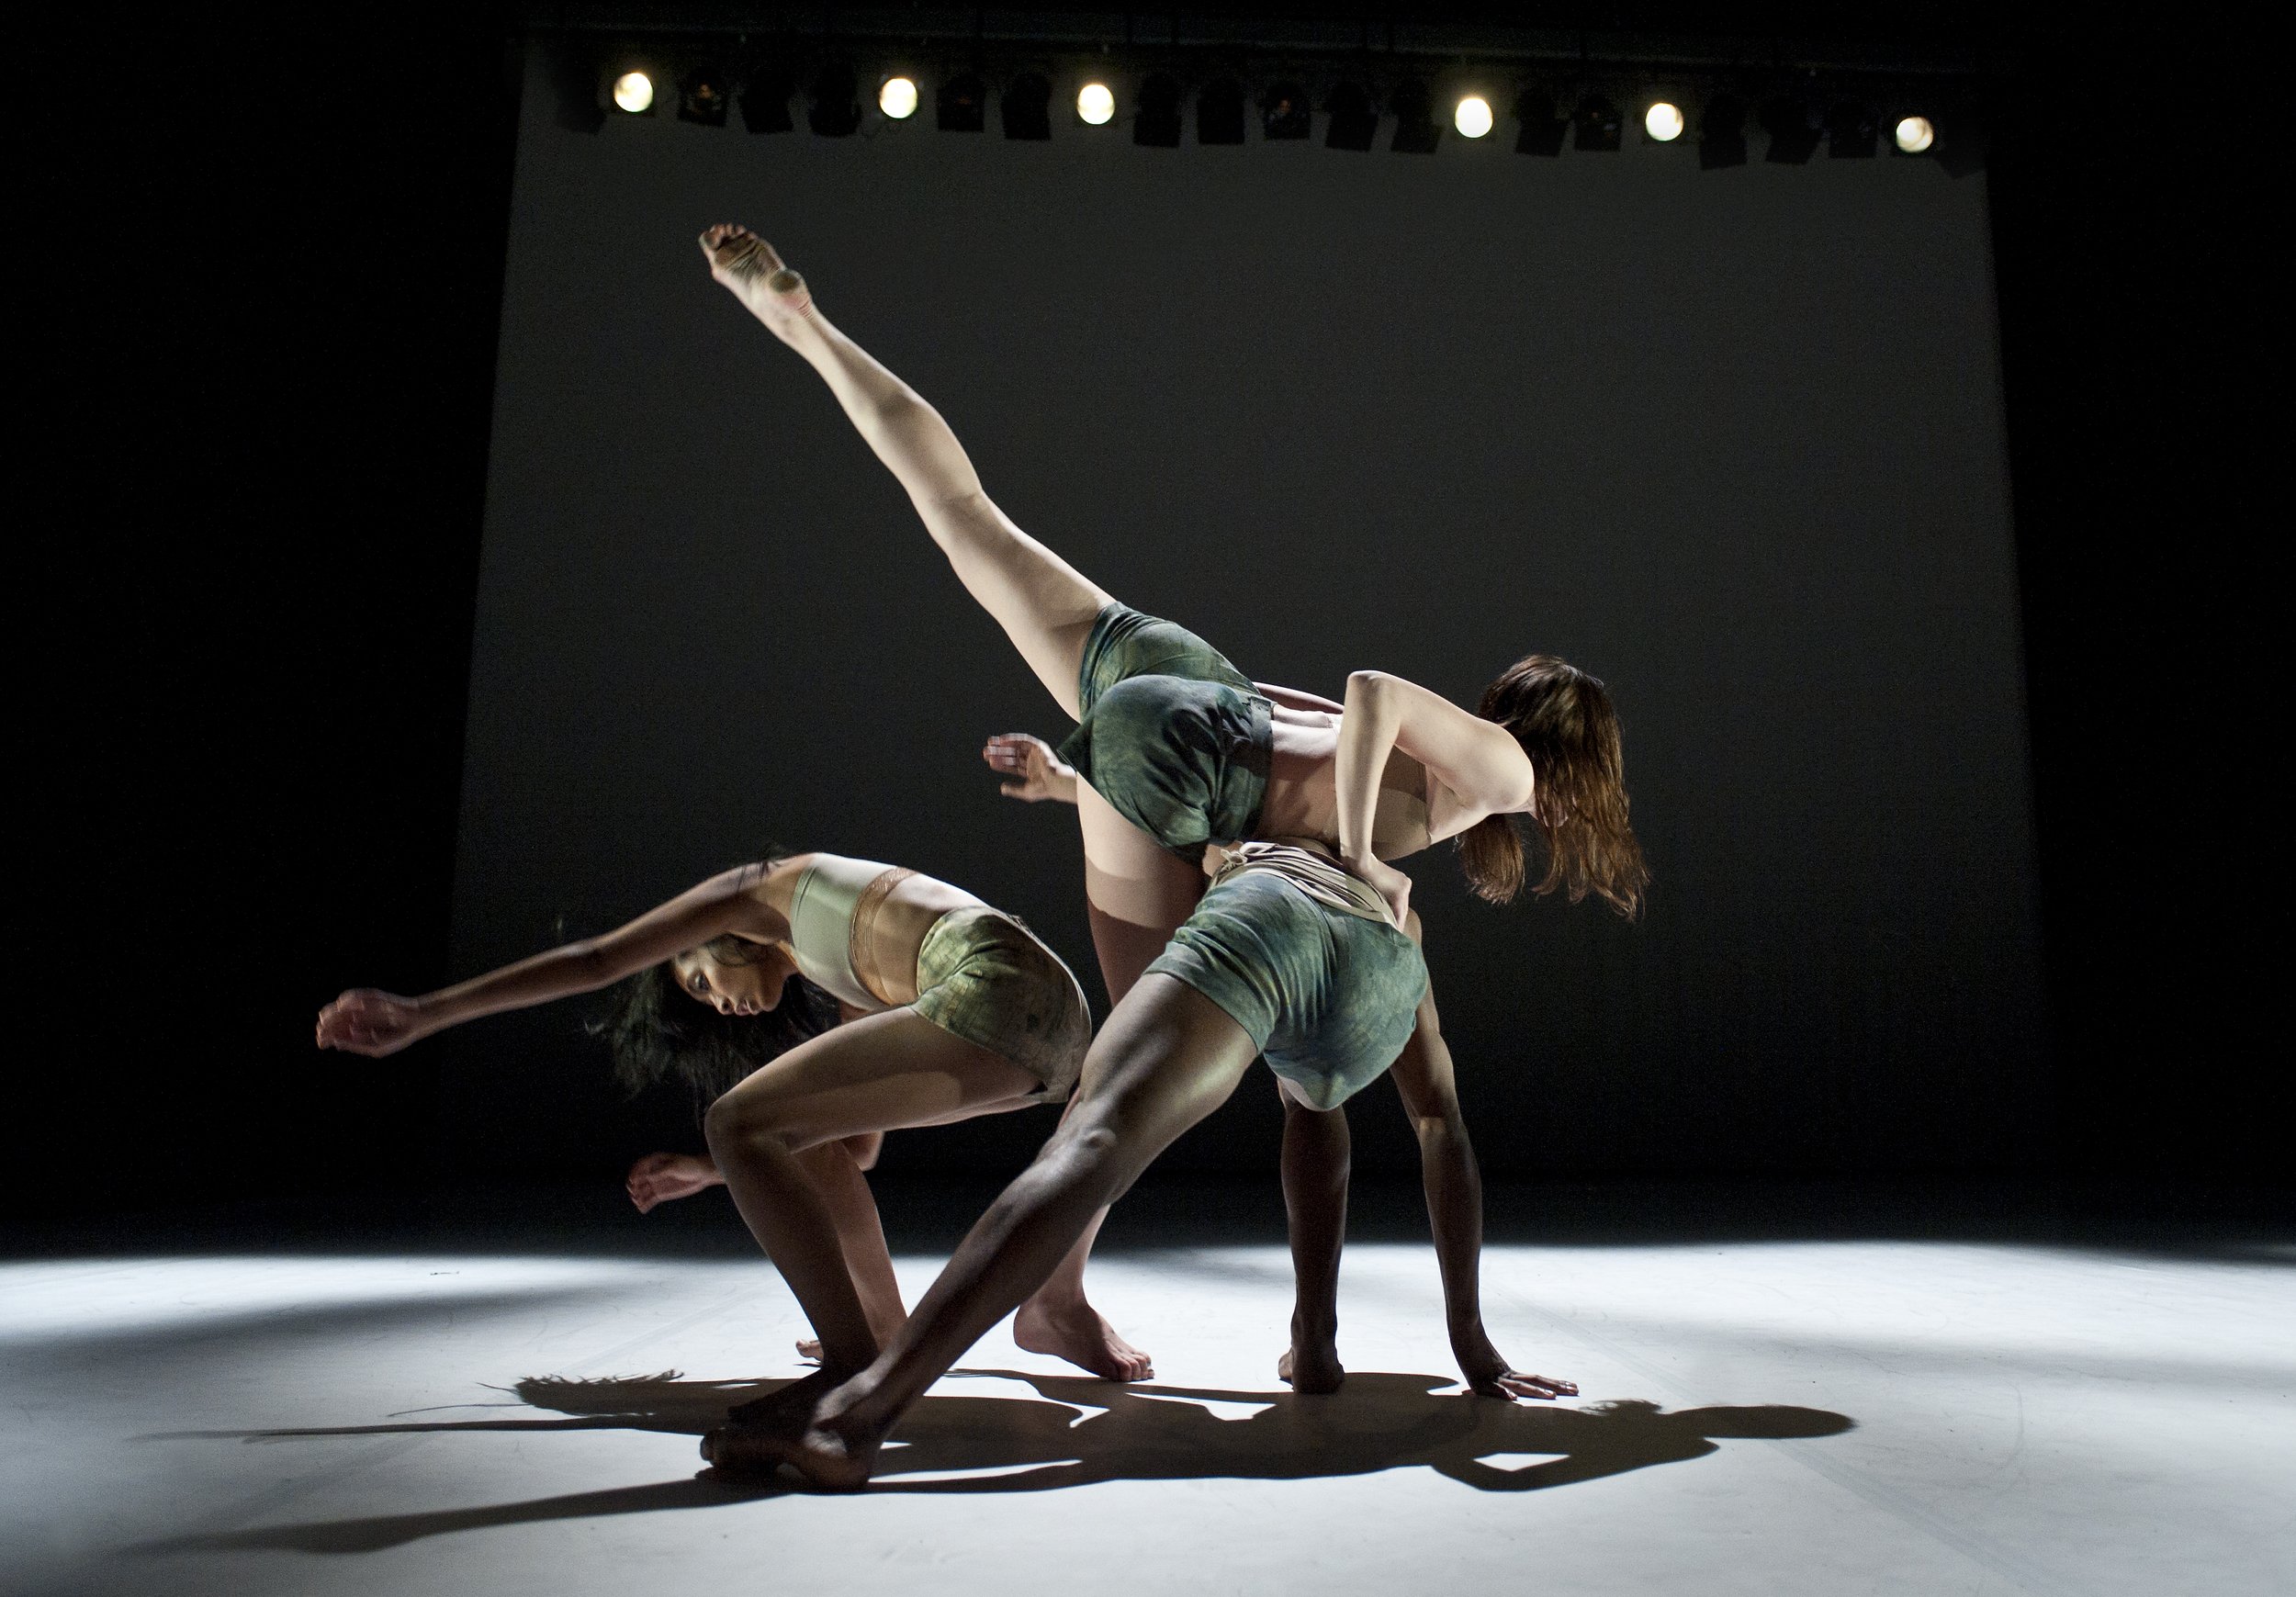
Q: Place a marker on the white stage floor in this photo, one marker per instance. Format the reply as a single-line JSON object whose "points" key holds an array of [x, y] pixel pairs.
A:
{"points": [[1771, 1419]]}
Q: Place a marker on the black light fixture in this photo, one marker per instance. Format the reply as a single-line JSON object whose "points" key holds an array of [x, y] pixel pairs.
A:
{"points": [[703, 96], [1596, 125], [961, 105], [1542, 132], [1157, 121], [1416, 130], [1220, 113], [1353, 120], [1026, 106], [765, 100], [574, 86], [1722, 133], [1793, 132], [1852, 130], [835, 94], [1284, 112]]}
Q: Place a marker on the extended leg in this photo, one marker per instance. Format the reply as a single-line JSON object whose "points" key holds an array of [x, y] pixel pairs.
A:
{"points": [[1044, 603], [1166, 1059], [1316, 1153]]}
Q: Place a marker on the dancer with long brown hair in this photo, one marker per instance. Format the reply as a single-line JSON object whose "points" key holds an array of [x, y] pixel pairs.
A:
{"points": [[1301, 949]]}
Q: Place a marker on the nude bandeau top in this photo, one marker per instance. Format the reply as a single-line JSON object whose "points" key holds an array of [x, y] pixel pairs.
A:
{"points": [[824, 910]]}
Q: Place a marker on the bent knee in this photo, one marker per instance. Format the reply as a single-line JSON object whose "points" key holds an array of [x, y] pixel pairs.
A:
{"points": [[733, 1124]]}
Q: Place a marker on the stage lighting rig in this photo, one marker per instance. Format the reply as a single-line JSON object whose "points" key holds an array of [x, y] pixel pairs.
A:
{"points": [[1220, 113], [1914, 135], [1284, 111], [1852, 130], [1157, 121], [1542, 132], [1596, 125], [1722, 133], [1353, 120], [1416, 130], [1026, 107], [703, 95], [961, 105], [835, 94], [765, 101]]}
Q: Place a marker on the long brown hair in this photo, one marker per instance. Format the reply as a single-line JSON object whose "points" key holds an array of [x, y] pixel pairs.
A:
{"points": [[1564, 720]]}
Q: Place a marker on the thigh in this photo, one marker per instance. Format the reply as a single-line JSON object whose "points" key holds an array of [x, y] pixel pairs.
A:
{"points": [[878, 1074], [1045, 605], [1136, 892], [1166, 1058]]}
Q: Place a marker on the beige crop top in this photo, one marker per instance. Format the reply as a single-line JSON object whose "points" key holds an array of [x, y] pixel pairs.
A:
{"points": [[830, 904]]}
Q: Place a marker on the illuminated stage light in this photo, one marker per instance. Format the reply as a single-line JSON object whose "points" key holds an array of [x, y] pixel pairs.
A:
{"points": [[633, 92], [1663, 122], [1915, 135], [1853, 131], [1220, 113], [960, 106], [1284, 112], [1416, 130], [765, 101], [1095, 104], [1722, 133], [1597, 123], [1472, 116], [1026, 106], [1157, 121], [702, 97], [836, 94], [1793, 134], [1542, 132], [1352, 121], [896, 97]]}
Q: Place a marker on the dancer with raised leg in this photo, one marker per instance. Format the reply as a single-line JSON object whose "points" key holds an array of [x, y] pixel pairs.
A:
{"points": [[821, 1001], [1298, 949]]}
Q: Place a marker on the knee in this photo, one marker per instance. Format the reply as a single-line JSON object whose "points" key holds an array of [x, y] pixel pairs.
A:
{"points": [[733, 1128]]}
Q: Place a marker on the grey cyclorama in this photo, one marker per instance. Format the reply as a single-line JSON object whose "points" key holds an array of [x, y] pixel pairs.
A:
{"points": [[1236, 839]]}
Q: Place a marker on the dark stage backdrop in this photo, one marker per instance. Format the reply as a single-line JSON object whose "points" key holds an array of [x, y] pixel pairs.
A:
{"points": [[1731, 440]]}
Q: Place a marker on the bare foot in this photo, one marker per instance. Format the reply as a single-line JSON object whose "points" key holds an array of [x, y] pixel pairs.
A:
{"points": [[837, 1453], [809, 1349], [787, 1410], [1081, 1336], [746, 264], [1313, 1370]]}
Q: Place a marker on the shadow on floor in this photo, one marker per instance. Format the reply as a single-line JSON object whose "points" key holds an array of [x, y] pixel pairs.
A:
{"points": [[1076, 1433]]}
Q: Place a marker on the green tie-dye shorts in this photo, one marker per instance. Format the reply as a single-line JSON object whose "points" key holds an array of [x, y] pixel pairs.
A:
{"points": [[1173, 737], [983, 977], [1329, 998]]}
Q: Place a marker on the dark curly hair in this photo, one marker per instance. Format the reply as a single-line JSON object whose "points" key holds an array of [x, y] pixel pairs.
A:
{"points": [[656, 1030]]}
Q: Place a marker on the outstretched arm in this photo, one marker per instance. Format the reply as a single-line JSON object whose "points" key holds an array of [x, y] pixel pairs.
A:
{"points": [[1478, 762], [365, 1020], [1455, 1207]]}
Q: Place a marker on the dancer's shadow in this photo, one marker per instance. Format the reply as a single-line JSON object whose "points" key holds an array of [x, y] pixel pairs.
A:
{"points": [[1376, 1422]]}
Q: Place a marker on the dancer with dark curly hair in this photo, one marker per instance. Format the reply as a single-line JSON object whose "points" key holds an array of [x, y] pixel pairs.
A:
{"points": [[1302, 948], [819, 1001]]}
